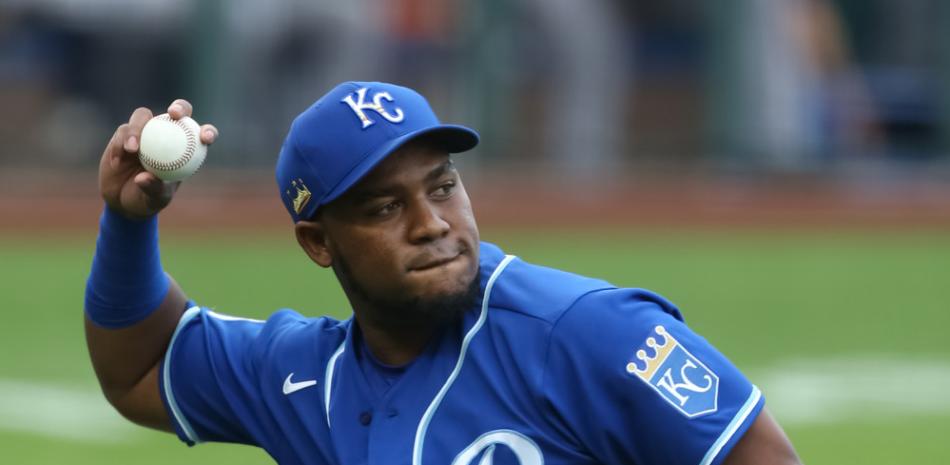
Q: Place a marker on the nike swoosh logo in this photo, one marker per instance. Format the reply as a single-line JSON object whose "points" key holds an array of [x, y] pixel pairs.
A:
{"points": [[291, 387]]}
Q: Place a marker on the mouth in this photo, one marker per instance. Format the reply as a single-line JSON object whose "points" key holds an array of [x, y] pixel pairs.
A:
{"points": [[426, 263]]}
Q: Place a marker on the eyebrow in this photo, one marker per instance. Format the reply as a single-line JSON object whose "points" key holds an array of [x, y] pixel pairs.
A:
{"points": [[436, 173], [440, 170]]}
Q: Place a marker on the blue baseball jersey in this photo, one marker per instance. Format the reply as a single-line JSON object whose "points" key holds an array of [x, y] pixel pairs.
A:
{"points": [[548, 368]]}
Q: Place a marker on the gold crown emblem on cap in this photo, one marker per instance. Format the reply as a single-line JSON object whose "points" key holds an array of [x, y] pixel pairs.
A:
{"points": [[302, 195], [662, 351]]}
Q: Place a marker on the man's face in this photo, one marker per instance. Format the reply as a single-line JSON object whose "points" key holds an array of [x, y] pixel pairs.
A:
{"points": [[403, 241]]}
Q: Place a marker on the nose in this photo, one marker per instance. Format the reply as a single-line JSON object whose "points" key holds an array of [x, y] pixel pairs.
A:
{"points": [[427, 223]]}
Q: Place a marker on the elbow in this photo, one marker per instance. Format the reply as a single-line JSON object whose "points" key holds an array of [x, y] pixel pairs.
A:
{"points": [[141, 404], [764, 442], [121, 398]]}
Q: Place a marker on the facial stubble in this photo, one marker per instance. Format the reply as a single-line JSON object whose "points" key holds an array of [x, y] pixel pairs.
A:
{"points": [[390, 312]]}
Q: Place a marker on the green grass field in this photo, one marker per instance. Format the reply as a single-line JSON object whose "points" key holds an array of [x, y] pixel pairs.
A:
{"points": [[846, 333]]}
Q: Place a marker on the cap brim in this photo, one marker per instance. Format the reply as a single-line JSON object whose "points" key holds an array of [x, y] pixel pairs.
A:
{"points": [[452, 137]]}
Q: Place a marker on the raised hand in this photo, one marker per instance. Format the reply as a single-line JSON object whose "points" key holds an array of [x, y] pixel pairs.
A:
{"points": [[123, 183]]}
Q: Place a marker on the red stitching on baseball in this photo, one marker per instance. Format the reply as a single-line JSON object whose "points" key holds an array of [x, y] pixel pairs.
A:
{"points": [[190, 148]]}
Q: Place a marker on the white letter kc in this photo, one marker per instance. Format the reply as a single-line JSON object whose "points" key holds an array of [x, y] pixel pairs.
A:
{"points": [[360, 105]]}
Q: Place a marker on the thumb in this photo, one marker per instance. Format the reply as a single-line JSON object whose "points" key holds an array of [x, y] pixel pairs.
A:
{"points": [[149, 183]]}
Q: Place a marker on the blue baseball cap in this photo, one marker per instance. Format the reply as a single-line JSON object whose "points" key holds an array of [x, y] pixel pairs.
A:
{"points": [[346, 133]]}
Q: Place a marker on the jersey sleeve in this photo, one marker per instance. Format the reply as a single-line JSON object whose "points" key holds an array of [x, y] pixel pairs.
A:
{"points": [[633, 384], [208, 378]]}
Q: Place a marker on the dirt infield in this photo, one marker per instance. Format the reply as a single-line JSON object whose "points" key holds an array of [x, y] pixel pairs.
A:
{"points": [[247, 200]]}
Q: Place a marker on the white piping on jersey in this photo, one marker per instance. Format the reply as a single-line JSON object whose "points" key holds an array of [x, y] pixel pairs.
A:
{"points": [[221, 317], [328, 379], [734, 425], [434, 405], [189, 315]]}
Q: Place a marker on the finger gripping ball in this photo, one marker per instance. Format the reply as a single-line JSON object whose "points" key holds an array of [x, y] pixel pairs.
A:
{"points": [[171, 149]]}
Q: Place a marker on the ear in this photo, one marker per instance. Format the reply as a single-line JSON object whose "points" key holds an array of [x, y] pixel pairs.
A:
{"points": [[312, 238]]}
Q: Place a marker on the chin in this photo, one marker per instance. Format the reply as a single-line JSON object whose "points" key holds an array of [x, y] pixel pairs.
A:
{"points": [[447, 282], [432, 296], [451, 303]]}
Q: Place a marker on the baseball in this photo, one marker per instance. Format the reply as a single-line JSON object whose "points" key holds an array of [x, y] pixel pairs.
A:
{"points": [[171, 149]]}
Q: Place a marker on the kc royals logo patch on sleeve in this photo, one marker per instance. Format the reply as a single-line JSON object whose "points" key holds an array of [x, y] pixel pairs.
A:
{"points": [[676, 374]]}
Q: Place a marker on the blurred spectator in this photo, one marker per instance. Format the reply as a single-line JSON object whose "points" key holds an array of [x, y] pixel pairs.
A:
{"points": [[800, 99], [421, 45], [845, 120], [31, 53], [585, 97]]}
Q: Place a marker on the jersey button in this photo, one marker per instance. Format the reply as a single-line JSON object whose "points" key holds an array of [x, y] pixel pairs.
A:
{"points": [[365, 418]]}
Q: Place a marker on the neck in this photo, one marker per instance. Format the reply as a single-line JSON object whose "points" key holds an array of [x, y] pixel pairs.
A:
{"points": [[395, 346]]}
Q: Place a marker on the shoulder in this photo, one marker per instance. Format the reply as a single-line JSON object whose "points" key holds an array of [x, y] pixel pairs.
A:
{"points": [[517, 290], [288, 335], [284, 332], [629, 306], [287, 326], [533, 291], [287, 331], [606, 322], [541, 303]]}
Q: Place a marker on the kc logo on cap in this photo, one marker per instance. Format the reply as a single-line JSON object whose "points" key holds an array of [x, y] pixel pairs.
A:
{"points": [[358, 107]]}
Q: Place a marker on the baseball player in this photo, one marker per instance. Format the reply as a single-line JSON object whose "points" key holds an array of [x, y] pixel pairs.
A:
{"points": [[457, 352]]}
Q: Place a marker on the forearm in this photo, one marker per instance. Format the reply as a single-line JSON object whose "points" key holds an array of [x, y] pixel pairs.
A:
{"points": [[132, 306]]}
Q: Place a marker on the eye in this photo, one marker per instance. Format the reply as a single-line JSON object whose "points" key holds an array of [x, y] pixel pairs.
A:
{"points": [[385, 209], [444, 191]]}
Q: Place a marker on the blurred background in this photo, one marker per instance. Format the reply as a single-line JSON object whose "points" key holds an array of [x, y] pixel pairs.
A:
{"points": [[840, 107], [842, 87], [779, 168]]}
